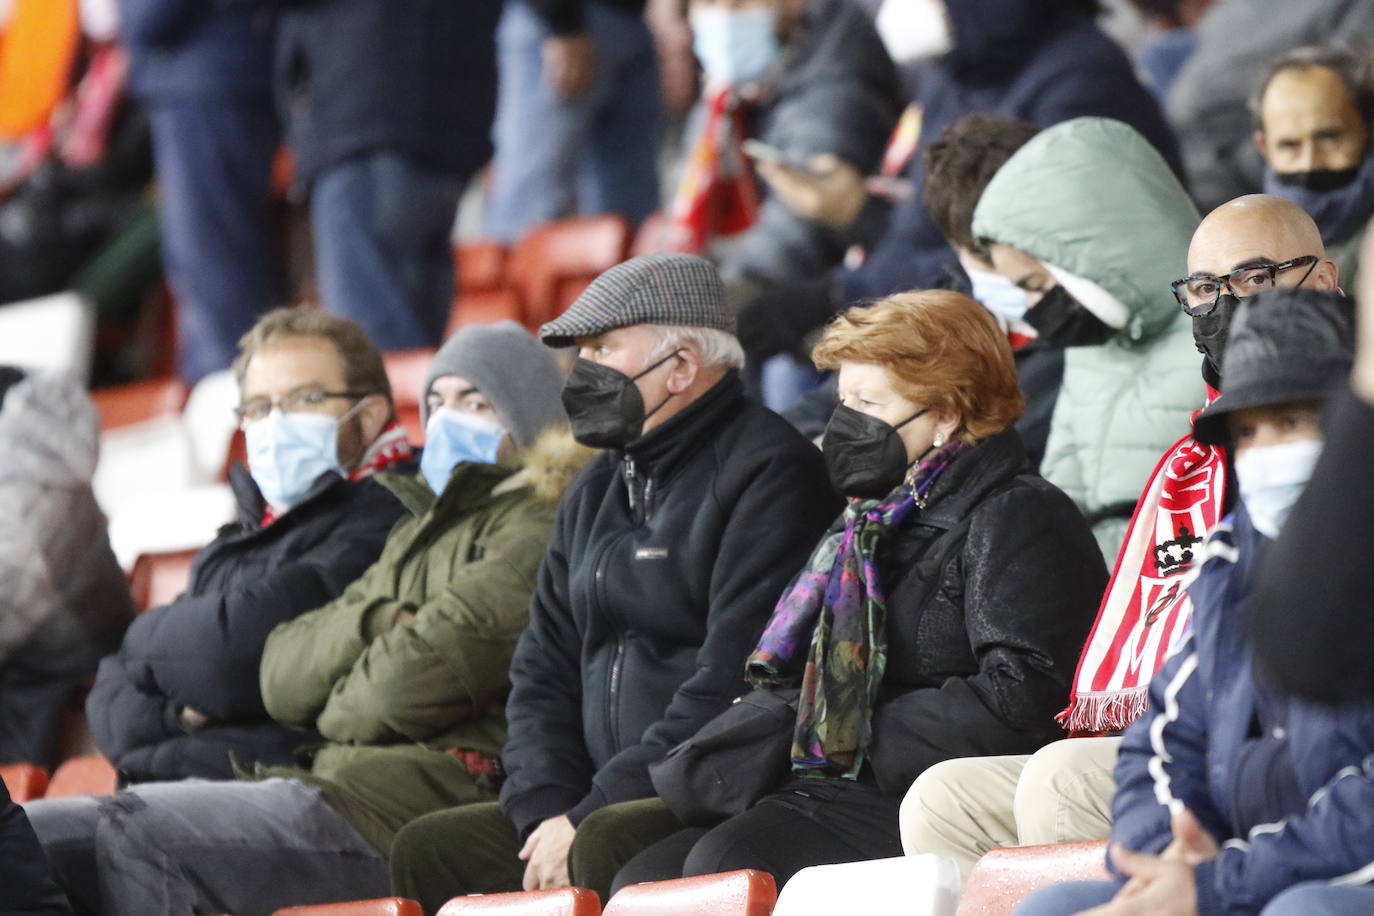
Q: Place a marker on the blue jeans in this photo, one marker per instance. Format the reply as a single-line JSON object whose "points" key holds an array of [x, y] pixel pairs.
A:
{"points": [[214, 166], [382, 226], [1313, 899], [596, 153]]}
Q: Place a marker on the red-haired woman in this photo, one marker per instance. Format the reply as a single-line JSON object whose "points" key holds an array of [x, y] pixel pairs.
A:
{"points": [[940, 617]]}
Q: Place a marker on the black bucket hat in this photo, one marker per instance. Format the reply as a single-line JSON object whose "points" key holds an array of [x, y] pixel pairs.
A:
{"points": [[1285, 344]]}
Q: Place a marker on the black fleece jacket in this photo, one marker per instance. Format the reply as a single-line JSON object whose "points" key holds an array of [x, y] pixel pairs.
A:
{"points": [[565, 16], [203, 650], [664, 565]]}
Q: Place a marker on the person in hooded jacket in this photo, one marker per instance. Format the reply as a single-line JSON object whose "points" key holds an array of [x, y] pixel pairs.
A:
{"points": [[1041, 62], [64, 604], [403, 674], [668, 552], [1090, 222], [1233, 796], [181, 695], [938, 617]]}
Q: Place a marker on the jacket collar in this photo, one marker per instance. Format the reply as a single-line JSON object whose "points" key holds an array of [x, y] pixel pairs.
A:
{"points": [[663, 448], [972, 475], [250, 500], [469, 486]]}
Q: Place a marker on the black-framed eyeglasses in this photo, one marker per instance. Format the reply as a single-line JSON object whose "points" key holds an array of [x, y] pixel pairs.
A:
{"points": [[1198, 295], [307, 400]]}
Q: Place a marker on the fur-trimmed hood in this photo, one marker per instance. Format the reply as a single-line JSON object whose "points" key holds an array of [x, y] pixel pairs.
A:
{"points": [[549, 465]]}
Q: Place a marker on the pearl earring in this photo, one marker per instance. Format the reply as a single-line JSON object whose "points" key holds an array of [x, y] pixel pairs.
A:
{"points": [[939, 440]]}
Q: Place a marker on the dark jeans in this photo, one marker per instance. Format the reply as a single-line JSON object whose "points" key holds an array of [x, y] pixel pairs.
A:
{"points": [[472, 850], [214, 168], [807, 822], [381, 224]]}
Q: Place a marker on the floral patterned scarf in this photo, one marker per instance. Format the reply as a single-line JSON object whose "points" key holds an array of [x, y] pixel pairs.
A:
{"points": [[837, 610]]}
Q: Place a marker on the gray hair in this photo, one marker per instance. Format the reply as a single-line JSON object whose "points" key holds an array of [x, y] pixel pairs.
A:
{"points": [[1353, 70], [717, 349]]}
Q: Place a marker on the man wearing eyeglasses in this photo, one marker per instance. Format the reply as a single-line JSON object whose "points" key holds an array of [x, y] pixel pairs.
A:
{"points": [[182, 695], [1313, 116], [964, 808], [1243, 247]]}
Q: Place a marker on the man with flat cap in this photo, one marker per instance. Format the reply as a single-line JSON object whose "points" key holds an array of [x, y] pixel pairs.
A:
{"points": [[668, 553]]}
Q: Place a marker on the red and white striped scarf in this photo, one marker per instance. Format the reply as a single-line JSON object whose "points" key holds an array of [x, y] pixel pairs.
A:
{"points": [[1145, 610]]}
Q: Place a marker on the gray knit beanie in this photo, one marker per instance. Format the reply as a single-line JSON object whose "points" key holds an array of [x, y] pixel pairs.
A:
{"points": [[511, 369]]}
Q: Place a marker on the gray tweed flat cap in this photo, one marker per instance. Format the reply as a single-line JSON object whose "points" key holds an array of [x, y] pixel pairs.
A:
{"points": [[680, 289]]}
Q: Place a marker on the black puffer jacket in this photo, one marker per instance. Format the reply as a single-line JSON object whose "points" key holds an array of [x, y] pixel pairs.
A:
{"points": [[992, 591], [203, 649], [664, 564]]}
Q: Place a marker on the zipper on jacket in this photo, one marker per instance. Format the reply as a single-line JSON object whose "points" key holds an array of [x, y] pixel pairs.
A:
{"points": [[617, 663]]}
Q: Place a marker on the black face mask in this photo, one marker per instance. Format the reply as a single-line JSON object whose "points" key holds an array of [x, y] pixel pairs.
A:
{"points": [[1319, 179], [864, 455], [604, 406], [1209, 331], [1062, 321]]}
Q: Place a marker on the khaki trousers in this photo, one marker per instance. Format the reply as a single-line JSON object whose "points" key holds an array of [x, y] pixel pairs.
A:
{"points": [[967, 807]]}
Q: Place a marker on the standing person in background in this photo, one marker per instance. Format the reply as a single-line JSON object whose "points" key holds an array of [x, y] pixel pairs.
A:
{"points": [[1314, 122], [203, 70], [809, 78], [387, 105], [578, 114]]}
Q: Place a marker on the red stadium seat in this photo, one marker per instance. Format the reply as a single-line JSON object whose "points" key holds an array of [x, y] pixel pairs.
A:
{"points": [[386, 906], [406, 369], [1005, 877], [480, 266], [89, 775], [485, 307], [125, 405], [566, 901], [158, 578], [25, 781], [556, 261], [733, 893]]}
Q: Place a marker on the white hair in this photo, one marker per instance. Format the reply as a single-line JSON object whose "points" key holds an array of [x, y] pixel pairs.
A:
{"points": [[717, 349]]}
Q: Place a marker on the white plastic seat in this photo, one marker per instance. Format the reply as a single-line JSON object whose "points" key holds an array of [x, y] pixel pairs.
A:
{"points": [[924, 885]]}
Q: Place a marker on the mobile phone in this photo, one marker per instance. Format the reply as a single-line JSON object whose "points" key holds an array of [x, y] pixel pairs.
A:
{"points": [[763, 152]]}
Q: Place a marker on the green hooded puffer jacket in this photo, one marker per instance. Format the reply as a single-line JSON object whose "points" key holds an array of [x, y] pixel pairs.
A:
{"points": [[1092, 197], [392, 694]]}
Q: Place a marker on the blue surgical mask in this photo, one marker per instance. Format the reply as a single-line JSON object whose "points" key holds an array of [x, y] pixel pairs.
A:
{"points": [[453, 436], [998, 294], [1272, 477], [736, 47], [287, 453]]}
